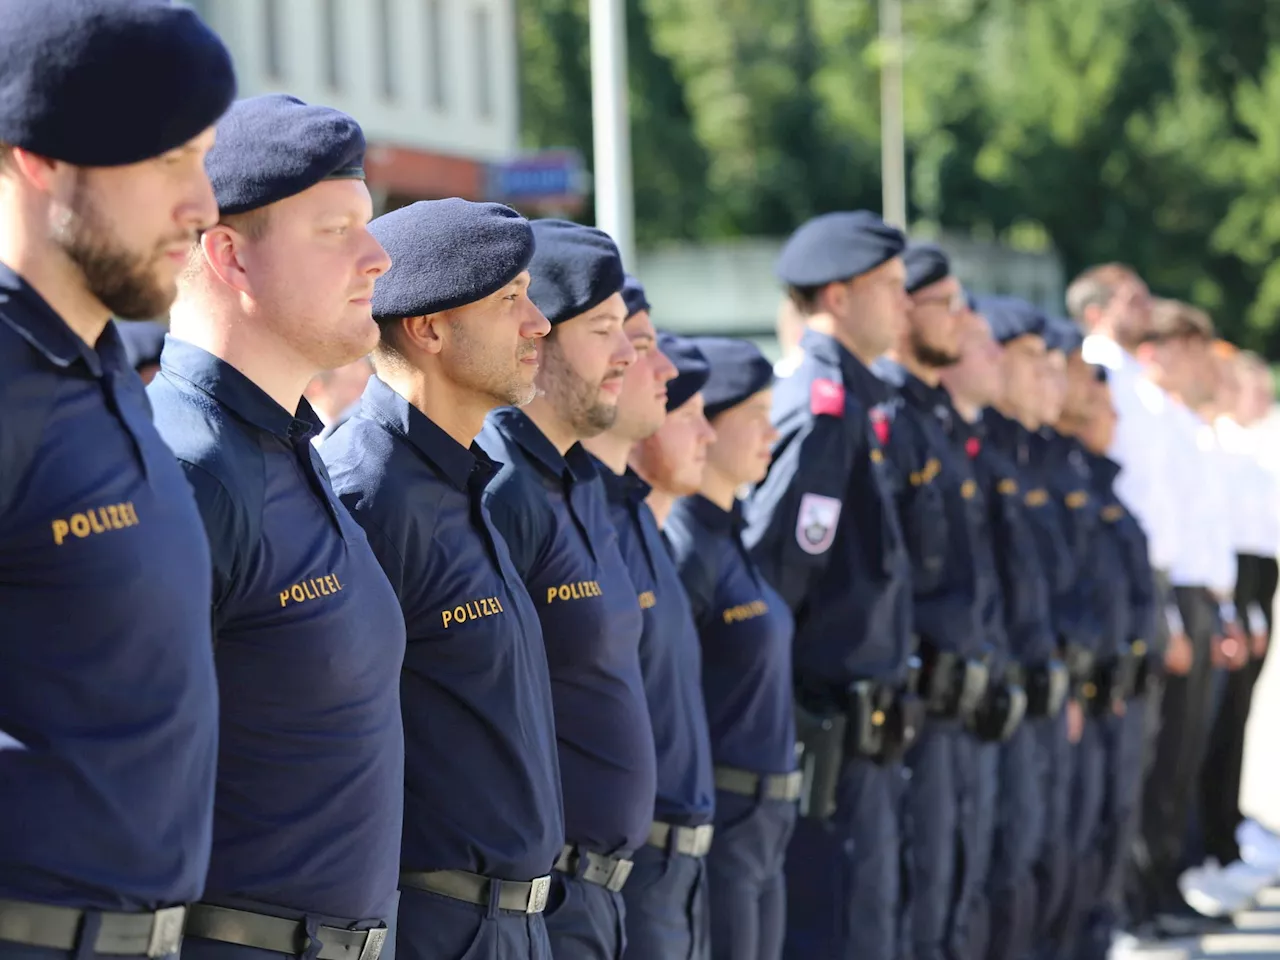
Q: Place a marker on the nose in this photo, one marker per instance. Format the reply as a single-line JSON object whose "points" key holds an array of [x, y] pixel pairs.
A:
{"points": [[535, 324], [708, 432], [663, 369], [378, 260], [624, 353], [200, 212]]}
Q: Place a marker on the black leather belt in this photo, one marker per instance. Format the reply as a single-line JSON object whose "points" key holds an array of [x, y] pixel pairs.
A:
{"points": [[519, 896], [690, 841], [769, 786], [608, 872], [280, 934], [157, 934]]}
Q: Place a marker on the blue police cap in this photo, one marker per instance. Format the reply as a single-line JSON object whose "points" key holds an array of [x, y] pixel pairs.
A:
{"points": [[574, 269], [738, 372], [633, 294], [447, 253], [1011, 317], [691, 366], [142, 339], [1061, 334], [103, 83], [275, 146], [838, 246], [926, 264]]}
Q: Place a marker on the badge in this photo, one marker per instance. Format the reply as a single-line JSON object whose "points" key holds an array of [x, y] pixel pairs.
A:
{"points": [[881, 415], [816, 523]]}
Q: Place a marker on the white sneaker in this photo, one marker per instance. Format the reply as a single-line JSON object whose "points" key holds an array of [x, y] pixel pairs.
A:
{"points": [[1221, 891], [1259, 847]]}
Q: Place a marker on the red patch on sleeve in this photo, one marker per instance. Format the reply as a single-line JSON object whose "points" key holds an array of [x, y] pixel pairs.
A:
{"points": [[972, 446], [826, 398]]}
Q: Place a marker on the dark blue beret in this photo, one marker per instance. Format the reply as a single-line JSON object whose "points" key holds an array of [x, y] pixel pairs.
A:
{"points": [[838, 246], [103, 83], [926, 264], [574, 269], [275, 146], [738, 372], [143, 340], [1064, 335], [633, 294], [692, 369], [447, 253], [1011, 317]]}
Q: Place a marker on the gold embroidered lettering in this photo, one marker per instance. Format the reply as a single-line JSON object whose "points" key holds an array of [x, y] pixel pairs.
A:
{"points": [[322, 587], [445, 617], [499, 605], [306, 589], [60, 531], [284, 597], [565, 592], [131, 513], [298, 594], [94, 523], [80, 525], [113, 514]]}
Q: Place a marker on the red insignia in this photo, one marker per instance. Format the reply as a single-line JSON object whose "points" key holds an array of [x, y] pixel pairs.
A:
{"points": [[826, 398], [972, 446], [880, 424]]}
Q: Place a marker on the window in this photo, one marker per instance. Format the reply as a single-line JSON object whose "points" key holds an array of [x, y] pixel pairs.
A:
{"points": [[271, 36], [484, 78], [331, 50], [434, 46], [386, 49]]}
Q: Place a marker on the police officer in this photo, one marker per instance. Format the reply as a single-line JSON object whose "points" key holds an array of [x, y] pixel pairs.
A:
{"points": [[951, 797], [108, 709], [824, 531], [483, 816], [745, 630], [974, 383], [548, 502], [334, 395], [308, 637], [143, 341], [666, 914]]}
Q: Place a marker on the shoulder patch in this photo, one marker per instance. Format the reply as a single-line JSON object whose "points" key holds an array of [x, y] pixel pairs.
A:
{"points": [[816, 523], [826, 398]]}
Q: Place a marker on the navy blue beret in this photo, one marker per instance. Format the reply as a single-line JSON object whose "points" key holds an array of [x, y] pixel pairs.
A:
{"points": [[1011, 317], [447, 253], [692, 369], [142, 339], [1064, 335], [738, 372], [633, 294], [838, 246], [926, 264], [574, 269], [103, 83], [275, 146]]}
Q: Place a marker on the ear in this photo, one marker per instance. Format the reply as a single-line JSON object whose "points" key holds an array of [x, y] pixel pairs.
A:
{"points": [[425, 333], [225, 251], [39, 172], [832, 298]]}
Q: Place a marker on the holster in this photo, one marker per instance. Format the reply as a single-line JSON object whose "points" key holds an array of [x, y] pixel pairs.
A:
{"points": [[820, 745], [1047, 686], [1000, 712]]}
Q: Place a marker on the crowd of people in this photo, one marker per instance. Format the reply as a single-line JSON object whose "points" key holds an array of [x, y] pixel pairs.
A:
{"points": [[560, 636]]}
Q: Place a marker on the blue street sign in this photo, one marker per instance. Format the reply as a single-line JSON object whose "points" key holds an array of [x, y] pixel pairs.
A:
{"points": [[552, 175]]}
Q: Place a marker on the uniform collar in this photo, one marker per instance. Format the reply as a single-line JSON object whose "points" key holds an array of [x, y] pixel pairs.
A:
{"points": [[230, 388], [626, 487], [855, 373], [710, 516], [576, 465], [40, 326], [1104, 469], [457, 463]]}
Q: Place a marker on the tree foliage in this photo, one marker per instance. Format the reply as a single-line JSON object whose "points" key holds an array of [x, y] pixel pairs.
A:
{"points": [[1146, 131]]}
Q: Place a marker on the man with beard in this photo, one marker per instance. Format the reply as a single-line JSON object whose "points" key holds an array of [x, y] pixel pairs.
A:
{"points": [[951, 799], [549, 504], [108, 702], [666, 897], [483, 818], [308, 637], [823, 529]]}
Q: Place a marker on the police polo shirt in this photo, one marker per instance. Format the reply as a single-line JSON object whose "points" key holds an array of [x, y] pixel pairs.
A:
{"points": [[1120, 524], [745, 630], [308, 644], [1113, 593], [108, 701], [482, 782], [823, 529], [551, 510], [669, 657]]}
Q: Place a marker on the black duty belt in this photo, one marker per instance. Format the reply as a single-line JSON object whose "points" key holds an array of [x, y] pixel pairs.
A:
{"points": [[157, 934], [515, 895], [690, 841], [608, 872], [281, 935], [1047, 686], [768, 786]]}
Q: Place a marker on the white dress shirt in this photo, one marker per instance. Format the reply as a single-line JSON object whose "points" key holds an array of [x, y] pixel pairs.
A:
{"points": [[1255, 493]]}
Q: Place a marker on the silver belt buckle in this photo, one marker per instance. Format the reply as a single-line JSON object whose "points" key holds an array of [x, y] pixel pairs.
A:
{"points": [[794, 784], [166, 931], [373, 943], [618, 878], [539, 890], [703, 837]]}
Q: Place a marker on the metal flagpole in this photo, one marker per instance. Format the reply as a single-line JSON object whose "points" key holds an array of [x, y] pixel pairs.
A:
{"points": [[611, 127], [892, 147]]}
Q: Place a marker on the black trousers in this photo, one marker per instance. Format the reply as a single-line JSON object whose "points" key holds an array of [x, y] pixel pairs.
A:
{"points": [[1174, 778], [1220, 777]]}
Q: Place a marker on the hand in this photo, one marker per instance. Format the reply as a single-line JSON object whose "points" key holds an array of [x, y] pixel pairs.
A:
{"points": [[1119, 708], [1231, 651], [1258, 645], [1179, 656], [1075, 720]]}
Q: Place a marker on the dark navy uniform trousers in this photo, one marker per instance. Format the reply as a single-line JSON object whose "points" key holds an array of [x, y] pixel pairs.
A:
{"points": [[1053, 863], [432, 927], [202, 949], [584, 920], [666, 898], [746, 880], [977, 774], [1019, 836], [930, 837], [1088, 796]]}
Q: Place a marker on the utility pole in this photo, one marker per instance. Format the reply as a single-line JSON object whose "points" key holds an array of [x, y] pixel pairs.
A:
{"points": [[611, 125], [893, 161]]}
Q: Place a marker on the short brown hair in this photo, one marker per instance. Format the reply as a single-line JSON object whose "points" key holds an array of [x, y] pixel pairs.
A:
{"points": [[1175, 320], [1096, 287]]}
